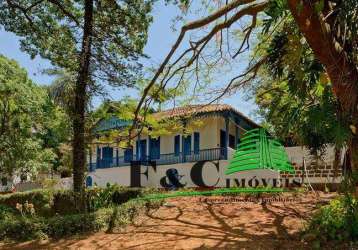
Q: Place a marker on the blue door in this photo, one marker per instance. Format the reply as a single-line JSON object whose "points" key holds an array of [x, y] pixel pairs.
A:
{"points": [[177, 145], [89, 181], [222, 139], [128, 154], [98, 160], [154, 148], [187, 145], [143, 150], [222, 143], [107, 156], [196, 142]]}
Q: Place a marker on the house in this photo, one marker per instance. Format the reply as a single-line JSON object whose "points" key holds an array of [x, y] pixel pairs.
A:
{"points": [[214, 139], [197, 153]]}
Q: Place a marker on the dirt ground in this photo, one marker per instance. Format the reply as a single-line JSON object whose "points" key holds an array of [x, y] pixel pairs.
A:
{"points": [[193, 223]]}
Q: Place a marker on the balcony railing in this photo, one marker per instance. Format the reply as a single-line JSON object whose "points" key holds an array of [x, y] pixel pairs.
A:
{"points": [[164, 159]]}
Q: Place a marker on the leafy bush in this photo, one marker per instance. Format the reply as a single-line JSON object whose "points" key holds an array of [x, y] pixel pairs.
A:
{"points": [[21, 228], [41, 199], [26, 228], [59, 226], [336, 221], [63, 202], [6, 212]]}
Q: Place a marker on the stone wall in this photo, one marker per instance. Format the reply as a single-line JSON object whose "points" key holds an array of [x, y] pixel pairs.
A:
{"points": [[318, 170]]}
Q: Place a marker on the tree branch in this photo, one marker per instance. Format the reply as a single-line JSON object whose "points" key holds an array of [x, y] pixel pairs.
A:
{"points": [[249, 10]]}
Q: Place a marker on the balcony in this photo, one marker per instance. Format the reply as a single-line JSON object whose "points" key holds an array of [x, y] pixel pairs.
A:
{"points": [[164, 159]]}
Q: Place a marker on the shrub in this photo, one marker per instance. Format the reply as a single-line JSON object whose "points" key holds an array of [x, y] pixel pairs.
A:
{"points": [[336, 221], [63, 202], [6, 212], [60, 226], [21, 228], [41, 199], [25, 228]]}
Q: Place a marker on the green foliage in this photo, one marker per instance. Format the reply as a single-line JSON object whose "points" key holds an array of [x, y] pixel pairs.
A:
{"points": [[64, 202], [112, 194], [346, 27], [6, 213], [24, 228], [276, 11], [53, 30], [24, 123], [294, 93], [21, 228], [60, 226], [336, 221], [41, 199]]}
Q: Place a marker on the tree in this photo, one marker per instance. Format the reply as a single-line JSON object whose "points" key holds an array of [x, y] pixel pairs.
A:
{"points": [[23, 123], [294, 94], [98, 41], [328, 27]]}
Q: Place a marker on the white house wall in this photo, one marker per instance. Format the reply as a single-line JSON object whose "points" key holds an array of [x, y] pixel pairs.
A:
{"points": [[213, 175], [149, 177]]}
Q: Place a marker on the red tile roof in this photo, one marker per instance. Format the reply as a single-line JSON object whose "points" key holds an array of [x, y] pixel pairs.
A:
{"points": [[193, 110]]}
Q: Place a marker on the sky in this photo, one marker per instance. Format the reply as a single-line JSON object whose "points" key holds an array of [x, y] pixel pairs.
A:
{"points": [[161, 38]]}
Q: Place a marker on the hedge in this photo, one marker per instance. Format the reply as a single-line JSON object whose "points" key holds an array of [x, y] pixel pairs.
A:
{"points": [[41, 199], [63, 202], [27, 228]]}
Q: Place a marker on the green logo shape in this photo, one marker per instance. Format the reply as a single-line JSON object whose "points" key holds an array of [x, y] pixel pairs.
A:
{"points": [[258, 150]]}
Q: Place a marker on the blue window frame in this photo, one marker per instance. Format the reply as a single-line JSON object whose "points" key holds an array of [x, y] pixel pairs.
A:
{"points": [[154, 147], [89, 181], [107, 156], [98, 162], [196, 142], [231, 141], [143, 150], [177, 145], [187, 144], [128, 154], [222, 139]]}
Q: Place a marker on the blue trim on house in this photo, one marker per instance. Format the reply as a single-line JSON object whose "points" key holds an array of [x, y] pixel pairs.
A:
{"points": [[196, 142], [141, 150], [128, 155], [88, 181], [154, 148], [111, 123], [177, 145], [167, 159]]}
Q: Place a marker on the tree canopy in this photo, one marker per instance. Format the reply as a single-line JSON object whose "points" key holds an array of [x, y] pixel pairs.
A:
{"points": [[100, 42], [31, 125], [308, 50]]}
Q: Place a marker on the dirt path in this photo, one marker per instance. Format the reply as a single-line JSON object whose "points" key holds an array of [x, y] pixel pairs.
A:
{"points": [[191, 223]]}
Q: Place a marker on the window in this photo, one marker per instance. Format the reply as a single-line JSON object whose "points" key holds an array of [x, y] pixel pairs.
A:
{"points": [[89, 181], [142, 154], [222, 139], [177, 145], [187, 145], [154, 148], [196, 142], [231, 141], [128, 155]]}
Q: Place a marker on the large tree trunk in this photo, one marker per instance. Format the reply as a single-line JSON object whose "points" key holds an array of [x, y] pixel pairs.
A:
{"points": [[79, 144], [341, 71]]}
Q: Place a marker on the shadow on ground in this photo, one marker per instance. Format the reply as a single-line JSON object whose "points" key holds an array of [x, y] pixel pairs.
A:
{"points": [[191, 223]]}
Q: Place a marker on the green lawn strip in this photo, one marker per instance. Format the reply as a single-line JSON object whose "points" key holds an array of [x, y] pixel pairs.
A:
{"points": [[212, 192]]}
